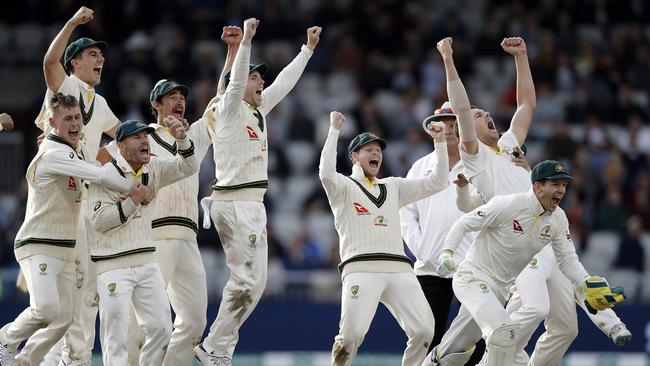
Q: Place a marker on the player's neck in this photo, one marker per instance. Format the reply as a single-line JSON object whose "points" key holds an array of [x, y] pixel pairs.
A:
{"points": [[453, 155]]}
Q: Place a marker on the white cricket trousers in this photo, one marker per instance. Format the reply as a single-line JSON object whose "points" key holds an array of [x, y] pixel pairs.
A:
{"points": [[50, 282], [402, 294], [544, 293], [241, 226], [184, 275], [143, 288], [481, 312]]}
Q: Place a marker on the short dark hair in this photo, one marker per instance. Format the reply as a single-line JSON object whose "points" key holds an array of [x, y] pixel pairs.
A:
{"points": [[59, 100]]}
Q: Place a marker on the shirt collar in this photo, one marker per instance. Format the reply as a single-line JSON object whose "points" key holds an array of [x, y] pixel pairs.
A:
{"points": [[126, 167], [357, 173], [83, 84], [534, 203]]}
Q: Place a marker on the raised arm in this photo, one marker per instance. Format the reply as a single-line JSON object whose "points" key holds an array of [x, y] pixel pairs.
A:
{"points": [[288, 77], [232, 36], [52, 68], [327, 166], [412, 190], [466, 199], [409, 218], [458, 99], [526, 99]]}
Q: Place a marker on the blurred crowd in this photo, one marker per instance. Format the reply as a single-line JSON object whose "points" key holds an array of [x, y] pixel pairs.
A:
{"points": [[377, 63]]}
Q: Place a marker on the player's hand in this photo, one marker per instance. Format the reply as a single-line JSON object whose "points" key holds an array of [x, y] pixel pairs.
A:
{"points": [[40, 139], [461, 181], [82, 16], [437, 130], [336, 119], [151, 194], [444, 47], [313, 36], [250, 28], [138, 193], [21, 283], [232, 35], [7, 122], [519, 159], [620, 334], [177, 128], [514, 46], [599, 296], [447, 265]]}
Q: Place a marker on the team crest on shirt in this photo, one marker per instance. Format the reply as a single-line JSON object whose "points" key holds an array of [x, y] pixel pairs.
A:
{"points": [[111, 288], [252, 239], [546, 232], [483, 287], [42, 267], [380, 221], [533, 263], [354, 290], [516, 226], [360, 209], [252, 135]]}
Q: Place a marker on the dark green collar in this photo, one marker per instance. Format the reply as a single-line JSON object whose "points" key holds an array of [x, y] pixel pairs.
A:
{"points": [[378, 201]]}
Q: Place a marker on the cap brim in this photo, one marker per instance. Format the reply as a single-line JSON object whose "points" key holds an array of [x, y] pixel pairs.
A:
{"points": [[185, 90], [382, 143], [436, 118], [559, 176], [143, 128], [261, 68], [103, 46]]}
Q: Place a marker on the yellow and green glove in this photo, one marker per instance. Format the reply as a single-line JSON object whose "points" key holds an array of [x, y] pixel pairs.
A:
{"points": [[599, 296]]}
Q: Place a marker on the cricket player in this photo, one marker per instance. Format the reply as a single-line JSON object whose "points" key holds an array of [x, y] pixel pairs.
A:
{"points": [[84, 60], [238, 127], [175, 219], [124, 253], [512, 229], [425, 224], [486, 159], [44, 245], [373, 265], [6, 122]]}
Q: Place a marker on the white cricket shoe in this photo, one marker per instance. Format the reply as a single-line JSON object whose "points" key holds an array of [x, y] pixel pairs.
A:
{"points": [[208, 359], [6, 356], [620, 335]]}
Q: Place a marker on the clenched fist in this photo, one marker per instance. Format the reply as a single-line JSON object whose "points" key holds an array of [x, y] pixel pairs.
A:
{"points": [[437, 131], [6, 122], [313, 37], [514, 46], [336, 119], [444, 47], [250, 28], [82, 16], [232, 35], [177, 128]]}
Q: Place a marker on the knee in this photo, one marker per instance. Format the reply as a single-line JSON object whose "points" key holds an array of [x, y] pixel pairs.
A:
{"points": [[47, 311], [159, 330], [536, 313], [566, 333], [422, 334]]}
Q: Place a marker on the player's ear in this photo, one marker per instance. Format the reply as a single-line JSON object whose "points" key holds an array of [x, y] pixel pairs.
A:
{"points": [[52, 122]]}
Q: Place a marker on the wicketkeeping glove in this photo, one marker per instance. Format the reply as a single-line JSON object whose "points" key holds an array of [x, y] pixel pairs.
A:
{"points": [[599, 296], [447, 265]]}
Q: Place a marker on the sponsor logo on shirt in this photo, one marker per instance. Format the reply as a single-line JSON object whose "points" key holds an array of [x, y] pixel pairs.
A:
{"points": [[516, 227], [72, 184], [251, 133], [481, 213], [360, 209]]}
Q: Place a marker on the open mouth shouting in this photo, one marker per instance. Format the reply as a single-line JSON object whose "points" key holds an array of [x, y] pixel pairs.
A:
{"points": [[144, 152], [374, 163], [73, 133], [178, 112], [259, 91], [97, 71], [490, 124]]}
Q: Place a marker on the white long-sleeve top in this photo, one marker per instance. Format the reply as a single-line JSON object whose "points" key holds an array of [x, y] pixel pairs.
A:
{"points": [[96, 114], [176, 214], [425, 223], [239, 132], [366, 214], [123, 229], [55, 179], [511, 230]]}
